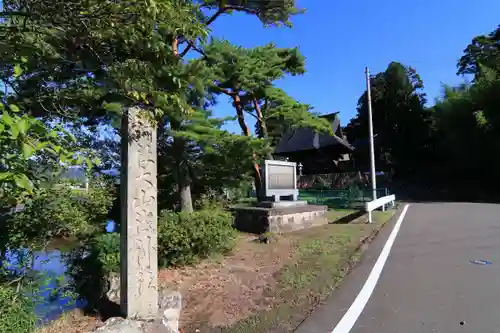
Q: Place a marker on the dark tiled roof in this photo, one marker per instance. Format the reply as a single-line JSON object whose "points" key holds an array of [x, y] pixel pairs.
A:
{"points": [[302, 139]]}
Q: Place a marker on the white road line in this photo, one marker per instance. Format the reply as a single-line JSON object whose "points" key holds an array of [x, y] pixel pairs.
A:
{"points": [[350, 317]]}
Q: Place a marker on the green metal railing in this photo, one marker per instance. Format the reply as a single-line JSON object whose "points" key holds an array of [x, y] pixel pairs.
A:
{"points": [[340, 198]]}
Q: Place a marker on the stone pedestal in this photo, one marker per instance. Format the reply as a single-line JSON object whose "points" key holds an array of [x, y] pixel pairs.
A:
{"points": [[281, 204], [121, 325], [138, 252], [171, 305], [278, 220]]}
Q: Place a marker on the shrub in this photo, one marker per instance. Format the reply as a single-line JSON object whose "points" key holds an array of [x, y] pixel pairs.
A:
{"points": [[98, 201], [89, 267], [57, 212], [17, 313], [239, 192], [52, 213], [210, 202], [350, 195], [186, 238], [108, 247]]}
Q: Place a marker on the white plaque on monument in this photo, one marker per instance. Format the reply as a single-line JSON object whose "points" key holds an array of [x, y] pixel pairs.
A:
{"points": [[280, 179]]}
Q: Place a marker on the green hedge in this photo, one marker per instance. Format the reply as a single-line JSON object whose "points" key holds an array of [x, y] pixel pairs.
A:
{"points": [[186, 238], [182, 239]]}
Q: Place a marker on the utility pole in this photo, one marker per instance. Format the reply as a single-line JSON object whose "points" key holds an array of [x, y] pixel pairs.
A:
{"points": [[370, 128]]}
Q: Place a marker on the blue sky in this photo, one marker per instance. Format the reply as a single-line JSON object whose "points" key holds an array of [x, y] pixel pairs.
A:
{"points": [[340, 38]]}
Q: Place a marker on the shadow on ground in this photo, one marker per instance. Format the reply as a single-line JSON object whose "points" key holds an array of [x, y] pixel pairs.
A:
{"points": [[90, 282], [348, 218], [420, 194]]}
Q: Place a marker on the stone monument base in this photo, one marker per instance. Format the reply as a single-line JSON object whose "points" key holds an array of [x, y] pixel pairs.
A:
{"points": [[259, 220], [281, 204]]}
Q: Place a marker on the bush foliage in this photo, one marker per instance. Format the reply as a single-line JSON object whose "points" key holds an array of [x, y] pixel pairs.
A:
{"points": [[17, 313], [183, 238], [186, 238], [49, 214], [57, 212], [108, 246], [89, 268]]}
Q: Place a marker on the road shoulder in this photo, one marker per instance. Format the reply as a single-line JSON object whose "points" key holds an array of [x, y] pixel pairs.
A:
{"points": [[326, 315]]}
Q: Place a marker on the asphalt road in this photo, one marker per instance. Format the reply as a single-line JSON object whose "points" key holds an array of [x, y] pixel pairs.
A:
{"points": [[428, 283]]}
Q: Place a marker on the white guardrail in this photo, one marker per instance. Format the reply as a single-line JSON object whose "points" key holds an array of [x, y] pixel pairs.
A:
{"points": [[380, 202]]}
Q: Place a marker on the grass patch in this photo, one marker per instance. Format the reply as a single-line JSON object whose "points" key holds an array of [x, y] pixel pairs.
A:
{"points": [[247, 201], [324, 256]]}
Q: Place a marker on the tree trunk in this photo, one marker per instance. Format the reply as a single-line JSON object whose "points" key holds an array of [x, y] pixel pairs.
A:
{"points": [[261, 124], [256, 169], [185, 199], [179, 144], [183, 179]]}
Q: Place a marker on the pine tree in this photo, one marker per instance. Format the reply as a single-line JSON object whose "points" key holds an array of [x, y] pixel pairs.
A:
{"points": [[247, 77], [282, 113]]}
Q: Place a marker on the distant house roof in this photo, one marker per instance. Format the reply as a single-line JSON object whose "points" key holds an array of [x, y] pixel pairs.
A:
{"points": [[74, 173], [78, 173], [303, 139]]}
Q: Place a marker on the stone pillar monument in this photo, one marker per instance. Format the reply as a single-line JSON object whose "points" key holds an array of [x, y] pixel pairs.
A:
{"points": [[138, 250]]}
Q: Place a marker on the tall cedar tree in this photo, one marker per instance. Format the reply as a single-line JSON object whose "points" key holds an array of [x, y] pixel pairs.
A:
{"points": [[467, 135], [399, 118]]}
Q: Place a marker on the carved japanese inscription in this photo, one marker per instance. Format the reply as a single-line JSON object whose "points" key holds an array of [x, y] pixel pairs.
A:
{"points": [[280, 177], [138, 252]]}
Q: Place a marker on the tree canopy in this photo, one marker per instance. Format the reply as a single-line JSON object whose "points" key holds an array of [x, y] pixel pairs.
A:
{"points": [[94, 59], [399, 116], [484, 50], [82, 68], [450, 144]]}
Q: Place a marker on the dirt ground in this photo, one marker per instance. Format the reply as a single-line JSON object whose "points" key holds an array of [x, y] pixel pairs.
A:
{"points": [[221, 292]]}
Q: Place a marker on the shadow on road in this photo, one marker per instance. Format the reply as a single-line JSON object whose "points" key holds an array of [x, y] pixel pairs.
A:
{"points": [[419, 194]]}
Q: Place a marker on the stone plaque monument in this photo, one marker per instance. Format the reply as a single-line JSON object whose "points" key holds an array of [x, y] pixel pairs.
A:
{"points": [[280, 180], [282, 212], [138, 251]]}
